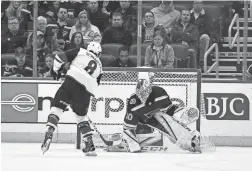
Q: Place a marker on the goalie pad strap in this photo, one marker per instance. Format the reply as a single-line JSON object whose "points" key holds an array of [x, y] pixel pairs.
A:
{"points": [[130, 137], [131, 134]]}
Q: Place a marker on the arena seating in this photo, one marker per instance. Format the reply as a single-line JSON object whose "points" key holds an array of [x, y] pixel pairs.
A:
{"points": [[182, 60], [111, 48]]}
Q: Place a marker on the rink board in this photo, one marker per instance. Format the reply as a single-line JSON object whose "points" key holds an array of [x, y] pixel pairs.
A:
{"points": [[227, 119]]}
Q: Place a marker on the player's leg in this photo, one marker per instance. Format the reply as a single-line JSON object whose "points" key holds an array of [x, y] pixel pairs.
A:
{"points": [[59, 104], [129, 132], [185, 115], [178, 133], [80, 108]]}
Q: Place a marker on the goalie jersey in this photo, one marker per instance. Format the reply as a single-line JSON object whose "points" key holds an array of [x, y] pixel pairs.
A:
{"points": [[85, 67], [137, 111]]}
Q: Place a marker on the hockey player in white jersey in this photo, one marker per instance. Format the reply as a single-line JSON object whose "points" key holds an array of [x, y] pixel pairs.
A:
{"points": [[81, 81], [151, 106]]}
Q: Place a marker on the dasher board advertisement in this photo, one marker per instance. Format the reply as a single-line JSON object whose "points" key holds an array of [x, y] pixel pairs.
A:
{"points": [[19, 102], [227, 109], [108, 107]]}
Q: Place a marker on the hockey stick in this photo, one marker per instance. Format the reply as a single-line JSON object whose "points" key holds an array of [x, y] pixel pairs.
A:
{"points": [[155, 149], [108, 143]]}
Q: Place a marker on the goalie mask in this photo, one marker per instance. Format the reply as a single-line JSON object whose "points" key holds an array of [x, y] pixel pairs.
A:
{"points": [[143, 88]]}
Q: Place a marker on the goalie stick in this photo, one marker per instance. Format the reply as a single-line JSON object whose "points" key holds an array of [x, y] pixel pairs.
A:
{"points": [[155, 149], [107, 142]]}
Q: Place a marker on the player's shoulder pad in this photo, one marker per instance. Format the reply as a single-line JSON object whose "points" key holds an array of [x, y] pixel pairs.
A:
{"points": [[133, 100], [159, 91]]}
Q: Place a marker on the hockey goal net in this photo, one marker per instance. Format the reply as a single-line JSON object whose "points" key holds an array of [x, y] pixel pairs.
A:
{"points": [[108, 107]]}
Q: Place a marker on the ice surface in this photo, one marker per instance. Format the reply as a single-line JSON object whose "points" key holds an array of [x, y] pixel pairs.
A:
{"points": [[63, 157]]}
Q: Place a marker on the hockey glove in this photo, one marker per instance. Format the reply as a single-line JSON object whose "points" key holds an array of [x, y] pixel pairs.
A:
{"points": [[57, 74], [99, 79], [58, 66]]}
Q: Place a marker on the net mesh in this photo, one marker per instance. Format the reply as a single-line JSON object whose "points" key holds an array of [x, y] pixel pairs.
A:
{"points": [[166, 77]]}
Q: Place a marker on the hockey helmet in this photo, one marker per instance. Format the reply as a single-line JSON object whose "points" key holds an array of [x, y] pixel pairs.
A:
{"points": [[95, 48], [143, 88]]}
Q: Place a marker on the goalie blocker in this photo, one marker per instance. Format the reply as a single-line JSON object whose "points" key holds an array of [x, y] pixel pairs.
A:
{"points": [[151, 106]]}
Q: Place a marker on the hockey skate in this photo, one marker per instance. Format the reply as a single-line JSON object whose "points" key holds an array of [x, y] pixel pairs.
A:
{"points": [[88, 146], [48, 139]]}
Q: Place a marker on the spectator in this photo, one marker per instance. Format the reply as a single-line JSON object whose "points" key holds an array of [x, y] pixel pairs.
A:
{"points": [[159, 54], [43, 8], [53, 9], [203, 21], [76, 41], [186, 33], [13, 38], [123, 60], [45, 72], [129, 16], [50, 37], [109, 6], [74, 7], [20, 67], [161, 30], [60, 28], [15, 9], [61, 44], [89, 31], [117, 33], [42, 49], [149, 23], [97, 17], [166, 15]]}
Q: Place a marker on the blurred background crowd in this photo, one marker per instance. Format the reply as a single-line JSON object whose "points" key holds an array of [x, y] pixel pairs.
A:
{"points": [[173, 34]]}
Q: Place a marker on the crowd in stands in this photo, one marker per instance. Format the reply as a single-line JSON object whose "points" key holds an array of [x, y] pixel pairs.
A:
{"points": [[64, 25]]}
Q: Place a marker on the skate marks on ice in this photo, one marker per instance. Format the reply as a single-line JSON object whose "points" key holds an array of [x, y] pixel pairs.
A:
{"points": [[63, 157]]}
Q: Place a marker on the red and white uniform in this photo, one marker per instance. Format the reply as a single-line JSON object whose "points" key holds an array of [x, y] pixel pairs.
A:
{"points": [[85, 68]]}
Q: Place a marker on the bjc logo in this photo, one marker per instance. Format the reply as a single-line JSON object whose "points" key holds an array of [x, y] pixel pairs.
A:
{"points": [[226, 106]]}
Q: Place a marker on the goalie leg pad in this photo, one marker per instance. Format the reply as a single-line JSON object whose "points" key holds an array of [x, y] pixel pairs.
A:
{"points": [[186, 115], [129, 136], [179, 134]]}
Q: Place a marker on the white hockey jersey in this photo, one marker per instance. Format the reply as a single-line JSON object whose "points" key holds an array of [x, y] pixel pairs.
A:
{"points": [[85, 68]]}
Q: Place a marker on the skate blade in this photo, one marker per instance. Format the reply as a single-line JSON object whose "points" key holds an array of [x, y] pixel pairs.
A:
{"points": [[91, 153], [45, 148]]}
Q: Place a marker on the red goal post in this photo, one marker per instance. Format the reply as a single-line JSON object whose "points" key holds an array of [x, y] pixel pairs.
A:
{"points": [[108, 107]]}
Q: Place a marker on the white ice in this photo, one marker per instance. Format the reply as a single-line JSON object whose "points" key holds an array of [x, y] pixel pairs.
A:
{"points": [[63, 157]]}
